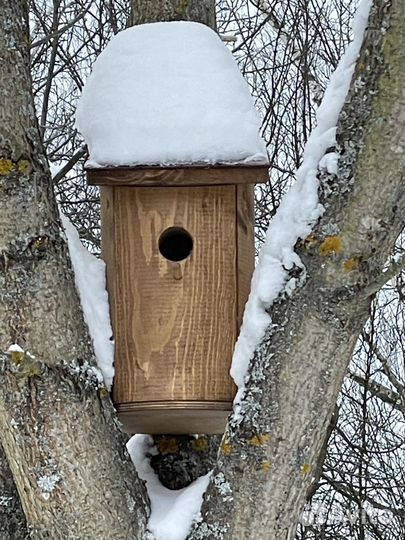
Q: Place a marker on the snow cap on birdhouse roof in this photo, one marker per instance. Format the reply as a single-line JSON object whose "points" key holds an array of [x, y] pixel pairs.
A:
{"points": [[168, 94]]}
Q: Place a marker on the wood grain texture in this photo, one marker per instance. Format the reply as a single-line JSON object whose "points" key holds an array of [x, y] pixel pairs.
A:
{"points": [[182, 176], [245, 219], [175, 323], [175, 417]]}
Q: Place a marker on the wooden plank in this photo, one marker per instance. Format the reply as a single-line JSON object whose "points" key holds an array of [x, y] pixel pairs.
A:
{"points": [[245, 243], [183, 176], [174, 321]]}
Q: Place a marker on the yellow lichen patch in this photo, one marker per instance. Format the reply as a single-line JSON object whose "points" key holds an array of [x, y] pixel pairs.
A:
{"points": [[226, 448], [306, 468], [103, 392], [41, 243], [23, 166], [29, 369], [168, 446], [17, 357], [330, 246], [6, 166], [266, 465], [200, 444], [351, 264], [310, 241], [259, 440]]}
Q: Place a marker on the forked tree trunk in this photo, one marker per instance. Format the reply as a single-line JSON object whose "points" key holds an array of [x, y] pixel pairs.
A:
{"points": [[57, 424], [57, 428]]}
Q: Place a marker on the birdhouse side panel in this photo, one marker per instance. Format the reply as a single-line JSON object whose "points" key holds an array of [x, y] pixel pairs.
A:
{"points": [[175, 299], [108, 243], [245, 243]]}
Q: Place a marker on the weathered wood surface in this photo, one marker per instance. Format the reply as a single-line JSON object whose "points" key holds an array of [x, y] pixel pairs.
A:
{"points": [[178, 176], [175, 322]]}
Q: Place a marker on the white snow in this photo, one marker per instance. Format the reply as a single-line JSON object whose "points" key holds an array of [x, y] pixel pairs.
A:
{"points": [[297, 214], [168, 94], [91, 284], [172, 511], [15, 348]]}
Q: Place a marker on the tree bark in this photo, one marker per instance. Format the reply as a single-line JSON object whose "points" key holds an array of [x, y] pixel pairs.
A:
{"points": [[258, 488], [57, 424], [13, 525], [147, 11]]}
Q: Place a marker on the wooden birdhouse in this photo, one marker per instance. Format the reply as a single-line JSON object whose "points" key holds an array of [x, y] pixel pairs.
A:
{"points": [[173, 142]]}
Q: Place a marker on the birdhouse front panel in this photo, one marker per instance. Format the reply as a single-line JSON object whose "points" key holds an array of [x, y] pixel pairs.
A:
{"points": [[173, 273]]}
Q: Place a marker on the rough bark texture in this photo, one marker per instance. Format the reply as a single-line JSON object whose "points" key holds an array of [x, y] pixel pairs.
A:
{"points": [[13, 525], [147, 11], [57, 424], [266, 462]]}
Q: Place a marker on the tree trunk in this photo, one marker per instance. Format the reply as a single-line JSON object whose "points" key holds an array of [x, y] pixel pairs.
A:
{"points": [[57, 424], [258, 488], [13, 525], [147, 11]]}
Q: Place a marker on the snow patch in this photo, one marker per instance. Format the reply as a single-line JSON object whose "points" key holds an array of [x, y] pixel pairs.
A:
{"points": [[172, 511], [168, 93], [15, 348], [297, 214], [91, 284]]}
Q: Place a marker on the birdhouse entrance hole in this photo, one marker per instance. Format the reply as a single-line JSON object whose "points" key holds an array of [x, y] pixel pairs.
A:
{"points": [[175, 244]]}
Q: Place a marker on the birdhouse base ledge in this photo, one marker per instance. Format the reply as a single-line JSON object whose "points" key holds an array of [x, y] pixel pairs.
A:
{"points": [[174, 417]]}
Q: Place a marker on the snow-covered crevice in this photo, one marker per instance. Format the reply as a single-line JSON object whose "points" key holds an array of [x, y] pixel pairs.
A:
{"points": [[298, 212], [91, 284], [172, 511]]}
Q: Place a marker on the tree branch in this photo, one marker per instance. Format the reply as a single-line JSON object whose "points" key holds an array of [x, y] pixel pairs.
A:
{"points": [[268, 455]]}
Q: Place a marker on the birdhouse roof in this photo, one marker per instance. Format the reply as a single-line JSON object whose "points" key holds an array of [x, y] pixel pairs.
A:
{"points": [[168, 94]]}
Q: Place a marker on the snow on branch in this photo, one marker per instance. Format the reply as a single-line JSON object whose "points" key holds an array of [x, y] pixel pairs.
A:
{"points": [[298, 212]]}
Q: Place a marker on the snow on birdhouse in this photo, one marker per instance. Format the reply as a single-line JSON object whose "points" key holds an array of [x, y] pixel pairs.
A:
{"points": [[174, 142]]}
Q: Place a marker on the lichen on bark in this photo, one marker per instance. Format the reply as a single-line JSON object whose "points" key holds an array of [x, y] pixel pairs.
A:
{"points": [[60, 436], [297, 369]]}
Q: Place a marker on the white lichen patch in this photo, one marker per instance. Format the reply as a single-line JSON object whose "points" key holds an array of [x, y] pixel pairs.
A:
{"points": [[47, 484], [89, 374], [223, 486], [5, 501], [210, 530], [370, 223], [130, 502]]}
